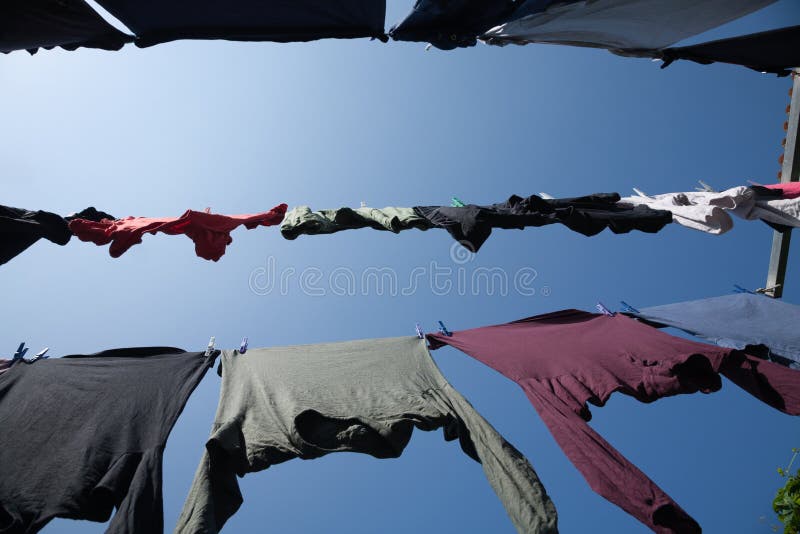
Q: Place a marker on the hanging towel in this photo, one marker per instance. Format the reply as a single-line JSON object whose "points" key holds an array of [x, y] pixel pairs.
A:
{"points": [[618, 24], [302, 220], [20, 228], [775, 51], [472, 225], [449, 24], [567, 359], [359, 396], [159, 21], [738, 321], [70, 24], [209, 231], [83, 435], [701, 210]]}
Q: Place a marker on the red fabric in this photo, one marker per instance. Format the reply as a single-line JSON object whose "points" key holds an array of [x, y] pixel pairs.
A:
{"points": [[567, 359], [790, 189], [209, 231]]}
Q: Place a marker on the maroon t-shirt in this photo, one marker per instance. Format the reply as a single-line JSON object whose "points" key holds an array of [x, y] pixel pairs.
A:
{"points": [[566, 359]]}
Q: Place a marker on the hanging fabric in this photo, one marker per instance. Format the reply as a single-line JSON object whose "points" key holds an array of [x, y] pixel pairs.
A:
{"points": [[788, 190], [156, 22], [449, 24], [775, 51], [70, 24], [589, 215], [83, 435], [302, 220], [565, 360], [5, 365], [360, 396], [738, 321], [618, 24], [209, 231], [20, 228]]}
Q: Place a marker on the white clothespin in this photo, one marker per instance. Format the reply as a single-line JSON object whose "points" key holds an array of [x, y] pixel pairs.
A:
{"points": [[210, 348], [428, 47], [363, 204], [705, 187], [546, 196], [641, 193], [765, 290]]}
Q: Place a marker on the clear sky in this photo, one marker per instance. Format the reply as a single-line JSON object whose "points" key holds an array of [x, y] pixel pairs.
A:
{"points": [[241, 127]]}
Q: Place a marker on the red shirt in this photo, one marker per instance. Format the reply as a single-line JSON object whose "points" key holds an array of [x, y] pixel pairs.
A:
{"points": [[209, 231]]}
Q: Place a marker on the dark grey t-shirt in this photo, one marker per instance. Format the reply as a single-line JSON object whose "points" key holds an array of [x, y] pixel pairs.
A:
{"points": [[361, 396], [85, 434]]}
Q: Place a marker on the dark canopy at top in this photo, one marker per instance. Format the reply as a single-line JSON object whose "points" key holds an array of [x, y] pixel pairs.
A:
{"points": [[158, 21], [775, 51], [31, 24], [449, 24]]}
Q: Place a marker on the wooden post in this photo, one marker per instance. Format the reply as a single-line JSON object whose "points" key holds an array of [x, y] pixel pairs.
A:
{"points": [[790, 172]]}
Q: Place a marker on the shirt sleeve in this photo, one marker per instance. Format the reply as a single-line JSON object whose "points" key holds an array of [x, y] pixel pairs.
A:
{"points": [[773, 384], [508, 471], [608, 472]]}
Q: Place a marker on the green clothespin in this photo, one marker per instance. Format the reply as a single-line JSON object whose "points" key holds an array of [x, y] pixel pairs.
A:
{"points": [[456, 203]]}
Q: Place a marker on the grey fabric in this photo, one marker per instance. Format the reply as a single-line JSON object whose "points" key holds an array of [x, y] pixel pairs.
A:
{"points": [[301, 220], [361, 396]]}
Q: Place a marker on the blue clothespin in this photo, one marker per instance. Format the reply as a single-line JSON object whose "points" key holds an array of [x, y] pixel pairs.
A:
{"points": [[243, 346], [628, 308], [456, 203], [443, 329], [602, 309], [210, 348], [420, 333], [40, 355], [21, 351], [739, 289]]}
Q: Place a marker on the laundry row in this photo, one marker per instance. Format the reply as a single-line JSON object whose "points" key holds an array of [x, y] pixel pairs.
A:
{"points": [[111, 412], [642, 28], [471, 225]]}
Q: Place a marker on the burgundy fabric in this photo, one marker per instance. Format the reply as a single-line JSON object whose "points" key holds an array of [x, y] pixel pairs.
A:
{"points": [[209, 231], [566, 359], [789, 189]]}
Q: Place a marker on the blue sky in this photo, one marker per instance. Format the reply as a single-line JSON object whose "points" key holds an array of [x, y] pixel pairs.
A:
{"points": [[241, 127]]}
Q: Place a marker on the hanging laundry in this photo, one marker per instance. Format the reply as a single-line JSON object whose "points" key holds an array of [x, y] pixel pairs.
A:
{"points": [[780, 213], [70, 24], [209, 231], [566, 359], [19, 229], [90, 214], [302, 220], [618, 24], [775, 51], [449, 24], [738, 321], [5, 365], [472, 225], [249, 20], [788, 190], [706, 211], [361, 396], [83, 435]]}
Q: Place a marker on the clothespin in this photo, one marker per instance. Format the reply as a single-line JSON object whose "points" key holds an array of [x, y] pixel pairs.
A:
{"points": [[602, 309], [428, 47], [443, 329], [751, 182], [420, 333], [705, 187], [363, 204], [456, 203], [40, 355], [210, 348], [21, 350], [627, 307], [770, 289], [207, 210], [243, 346], [739, 289], [641, 193], [546, 196]]}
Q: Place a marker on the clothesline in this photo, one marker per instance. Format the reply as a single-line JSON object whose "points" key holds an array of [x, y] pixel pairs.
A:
{"points": [[638, 28], [367, 396], [469, 224]]}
